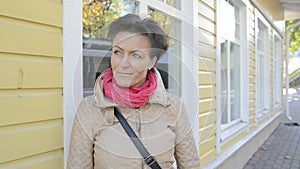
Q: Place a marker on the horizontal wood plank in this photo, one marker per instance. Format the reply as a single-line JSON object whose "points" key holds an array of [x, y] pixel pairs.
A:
{"points": [[49, 160], [30, 107], [207, 119], [206, 37], [207, 92], [207, 132], [207, 65], [30, 75], [207, 79], [207, 145], [32, 39], [206, 10], [30, 140], [207, 106], [35, 11], [206, 24], [209, 3]]}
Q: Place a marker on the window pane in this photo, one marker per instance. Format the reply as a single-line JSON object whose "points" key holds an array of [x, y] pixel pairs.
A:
{"points": [[260, 86], [227, 20], [174, 3], [237, 22], [235, 81], [96, 15], [224, 92], [237, 31], [170, 64]]}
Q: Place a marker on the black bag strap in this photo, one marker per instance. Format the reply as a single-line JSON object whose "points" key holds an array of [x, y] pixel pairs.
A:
{"points": [[137, 142]]}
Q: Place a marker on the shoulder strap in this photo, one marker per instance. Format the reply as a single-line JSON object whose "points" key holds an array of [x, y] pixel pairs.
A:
{"points": [[137, 142]]}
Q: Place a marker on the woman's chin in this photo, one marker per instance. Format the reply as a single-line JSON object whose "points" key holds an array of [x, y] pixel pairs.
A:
{"points": [[123, 83]]}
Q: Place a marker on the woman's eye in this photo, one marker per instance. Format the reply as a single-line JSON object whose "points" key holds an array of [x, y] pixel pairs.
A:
{"points": [[116, 52], [136, 55]]}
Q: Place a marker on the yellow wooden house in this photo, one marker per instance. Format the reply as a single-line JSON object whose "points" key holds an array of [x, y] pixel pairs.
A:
{"points": [[228, 68]]}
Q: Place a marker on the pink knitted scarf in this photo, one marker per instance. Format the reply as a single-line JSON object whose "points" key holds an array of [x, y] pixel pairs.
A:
{"points": [[132, 97]]}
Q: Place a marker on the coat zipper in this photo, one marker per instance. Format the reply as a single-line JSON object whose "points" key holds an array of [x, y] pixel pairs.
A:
{"points": [[138, 127]]}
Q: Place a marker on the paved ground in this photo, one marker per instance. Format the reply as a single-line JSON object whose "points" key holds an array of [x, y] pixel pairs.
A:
{"points": [[282, 148]]}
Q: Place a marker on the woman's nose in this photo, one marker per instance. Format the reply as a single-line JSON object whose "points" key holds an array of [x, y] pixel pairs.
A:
{"points": [[125, 62]]}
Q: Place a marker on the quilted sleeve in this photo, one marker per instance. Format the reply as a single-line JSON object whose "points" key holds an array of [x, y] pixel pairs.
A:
{"points": [[81, 142], [186, 153]]}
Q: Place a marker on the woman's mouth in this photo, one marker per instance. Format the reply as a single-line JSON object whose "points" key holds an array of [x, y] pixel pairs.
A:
{"points": [[125, 74]]}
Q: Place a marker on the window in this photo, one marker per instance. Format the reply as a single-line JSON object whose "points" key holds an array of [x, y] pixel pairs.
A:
{"points": [[170, 63], [231, 54], [86, 49], [262, 70], [96, 55], [277, 72]]}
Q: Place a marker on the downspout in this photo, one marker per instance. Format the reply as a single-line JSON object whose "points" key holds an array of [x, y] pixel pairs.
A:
{"points": [[287, 56]]}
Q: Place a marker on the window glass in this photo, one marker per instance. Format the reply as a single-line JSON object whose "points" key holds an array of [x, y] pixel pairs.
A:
{"points": [[224, 92], [235, 81], [230, 63], [96, 15], [230, 87], [277, 72], [261, 67], [169, 64], [174, 3]]}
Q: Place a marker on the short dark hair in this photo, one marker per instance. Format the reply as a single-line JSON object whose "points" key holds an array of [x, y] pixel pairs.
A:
{"points": [[146, 27]]}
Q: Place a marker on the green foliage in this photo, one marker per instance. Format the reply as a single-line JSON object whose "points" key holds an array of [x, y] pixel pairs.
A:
{"points": [[96, 14], [295, 73], [294, 36], [165, 21]]}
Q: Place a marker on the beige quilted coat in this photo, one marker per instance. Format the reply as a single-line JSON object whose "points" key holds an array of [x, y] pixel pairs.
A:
{"points": [[98, 140]]}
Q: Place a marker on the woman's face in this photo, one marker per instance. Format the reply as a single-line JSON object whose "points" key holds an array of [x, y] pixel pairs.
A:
{"points": [[130, 59]]}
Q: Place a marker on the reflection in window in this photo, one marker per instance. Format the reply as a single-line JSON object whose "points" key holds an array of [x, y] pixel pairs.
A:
{"points": [[174, 3], [170, 64], [96, 15], [230, 63], [230, 79], [261, 68]]}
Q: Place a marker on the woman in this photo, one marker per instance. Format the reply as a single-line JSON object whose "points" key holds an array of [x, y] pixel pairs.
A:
{"points": [[134, 86]]}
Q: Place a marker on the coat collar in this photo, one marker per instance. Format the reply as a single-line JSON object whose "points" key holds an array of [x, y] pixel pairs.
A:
{"points": [[101, 101]]}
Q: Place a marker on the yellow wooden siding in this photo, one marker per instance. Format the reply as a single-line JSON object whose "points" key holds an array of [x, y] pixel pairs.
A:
{"points": [[48, 105], [208, 157], [18, 36], [207, 118], [34, 11], [207, 51], [207, 92], [252, 68], [233, 141], [49, 160], [31, 100], [209, 3], [207, 80], [207, 145], [24, 74], [24, 140], [207, 65], [207, 105]]}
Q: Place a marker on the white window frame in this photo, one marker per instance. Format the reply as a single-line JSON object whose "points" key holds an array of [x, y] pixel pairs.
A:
{"points": [[224, 135], [189, 72], [72, 59], [277, 70], [262, 113]]}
